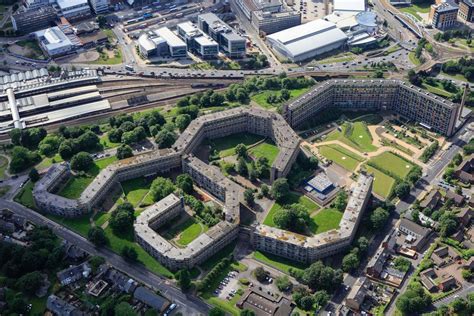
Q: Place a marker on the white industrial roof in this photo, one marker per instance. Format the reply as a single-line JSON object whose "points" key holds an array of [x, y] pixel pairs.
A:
{"points": [[205, 41], [343, 20], [53, 38], [145, 42], [308, 37], [170, 38], [349, 5], [65, 4]]}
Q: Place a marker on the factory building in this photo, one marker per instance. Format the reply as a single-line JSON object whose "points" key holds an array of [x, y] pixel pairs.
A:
{"points": [[54, 42], [307, 40], [34, 20], [230, 42], [443, 15], [466, 10], [430, 111], [197, 41], [74, 9]]}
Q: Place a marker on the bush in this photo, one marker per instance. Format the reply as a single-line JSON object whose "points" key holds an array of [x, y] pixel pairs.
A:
{"points": [[429, 151]]}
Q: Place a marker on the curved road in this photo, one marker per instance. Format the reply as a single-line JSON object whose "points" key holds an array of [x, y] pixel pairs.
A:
{"points": [[191, 305]]}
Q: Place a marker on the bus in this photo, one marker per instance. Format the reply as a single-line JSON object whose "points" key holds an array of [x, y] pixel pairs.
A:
{"points": [[128, 67]]}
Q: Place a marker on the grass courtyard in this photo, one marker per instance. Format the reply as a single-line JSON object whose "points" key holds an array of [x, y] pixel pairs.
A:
{"points": [[266, 149], [325, 220], [383, 184], [78, 183], [390, 163], [25, 196], [355, 135], [135, 190], [225, 146], [185, 231], [341, 156], [292, 199], [261, 97]]}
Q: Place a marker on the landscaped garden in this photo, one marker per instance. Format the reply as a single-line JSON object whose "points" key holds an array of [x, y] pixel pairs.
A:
{"points": [[293, 198], [383, 184], [263, 97], [355, 135], [341, 156], [225, 146], [390, 163], [184, 231]]}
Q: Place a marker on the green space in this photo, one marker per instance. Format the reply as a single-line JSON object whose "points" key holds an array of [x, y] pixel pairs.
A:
{"points": [[369, 119], [341, 156], [261, 97], [215, 259], [187, 231], [104, 140], [48, 161], [383, 183], [25, 196], [463, 43], [105, 59], [343, 57], [393, 49], [355, 134], [414, 9], [101, 218], [266, 149], [3, 166], [325, 220], [135, 190], [35, 51], [80, 225], [438, 90], [78, 183], [116, 243], [459, 77], [414, 60], [225, 146], [392, 163], [277, 262], [292, 199]]}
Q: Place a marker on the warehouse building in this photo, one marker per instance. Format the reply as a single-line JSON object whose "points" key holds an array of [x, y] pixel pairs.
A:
{"points": [[54, 42], [408, 101], [230, 42], [307, 40]]}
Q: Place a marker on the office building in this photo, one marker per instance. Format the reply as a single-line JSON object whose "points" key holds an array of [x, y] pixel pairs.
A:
{"points": [[176, 47], [444, 15], [230, 42], [34, 20], [74, 9], [54, 42], [466, 10], [35, 4], [99, 6], [408, 101], [197, 41], [307, 40], [269, 23]]}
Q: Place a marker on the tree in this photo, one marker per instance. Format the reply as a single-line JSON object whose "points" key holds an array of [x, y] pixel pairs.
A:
{"points": [[378, 218], [447, 224], [402, 189], [30, 282], [122, 218], [184, 280], [320, 277], [402, 264], [363, 244], [241, 151], [249, 196], [165, 139], [115, 135], [185, 183], [241, 167], [160, 188], [50, 145], [263, 167], [264, 189], [448, 174], [321, 298], [182, 121], [33, 175], [96, 235], [350, 262], [124, 309], [294, 218], [81, 161], [340, 201], [22, 159], [283, 283], [414, 301], [124, 151], [66, 150], [129, 253], [95, 262], [15, 136], [457, 159], [260, 274], [102, 21], [247, 312], [216, 311], [285, 94], [280, 189]]}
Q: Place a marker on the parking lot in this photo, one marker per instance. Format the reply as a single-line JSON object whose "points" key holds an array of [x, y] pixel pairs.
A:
{"points": [[229, 286]]}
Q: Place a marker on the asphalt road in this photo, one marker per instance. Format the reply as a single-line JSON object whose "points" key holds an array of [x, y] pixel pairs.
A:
{"points": [[190, 305]]}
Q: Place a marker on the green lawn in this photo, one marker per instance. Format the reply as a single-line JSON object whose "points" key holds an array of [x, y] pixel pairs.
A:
{"points": [[325, 220], [225, 146], [387, 161], [277, 262], [415, 61], [383, 183], [135, 190], [266, 149], [77, 184], [438, 90], [48, 161], [292, 199], [414, 9], [341, 156], [25, 196], [343, 57], [215, 259], [104, 59], [261, 97], [116, 243], [355, 135], [190, 233], [80, 225], [3, 166]]}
